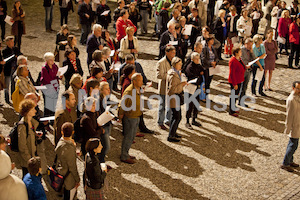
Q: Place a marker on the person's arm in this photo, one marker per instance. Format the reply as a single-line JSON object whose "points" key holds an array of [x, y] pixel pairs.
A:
{"points": [[161, 73], [232, 67], [176, 85], [15, 15], [72, 166], [22, 142], [290, 114], [140, 70]]}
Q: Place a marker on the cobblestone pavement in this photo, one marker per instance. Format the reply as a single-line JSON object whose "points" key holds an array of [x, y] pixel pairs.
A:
{"points": [[227, 158]]}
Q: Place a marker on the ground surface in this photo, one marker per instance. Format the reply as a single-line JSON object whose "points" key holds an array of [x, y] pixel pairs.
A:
{"points": [[227, 158]]}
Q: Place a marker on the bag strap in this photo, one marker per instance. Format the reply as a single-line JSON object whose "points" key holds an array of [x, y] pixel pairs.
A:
{"points": [[26, 125]]}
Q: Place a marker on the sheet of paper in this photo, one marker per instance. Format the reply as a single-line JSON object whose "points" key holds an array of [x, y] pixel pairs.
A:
{"points": [[172, 5], [10, 57], [104, 118], [107, 108], [148, 84], [214, 70], [187, 29], [174, 43], [235, 40], [151, 3], [117, 66], [190, 88], [194, 81], [252, 62], [112, 53], [256, 15], [9, 20], [105, 12], [52, 118], [43, 87], [62, 70], [259, 74]]}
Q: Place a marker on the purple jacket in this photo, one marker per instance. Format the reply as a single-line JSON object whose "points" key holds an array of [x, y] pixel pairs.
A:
{"points": [[48, 74]]}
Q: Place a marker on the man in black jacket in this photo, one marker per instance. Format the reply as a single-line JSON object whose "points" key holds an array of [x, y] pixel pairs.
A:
{"points": [[86, 16], [3, 13], [94, 42], [10, 65], [168, 37]]}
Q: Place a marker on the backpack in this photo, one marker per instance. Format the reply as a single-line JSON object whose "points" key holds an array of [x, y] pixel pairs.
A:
{"points": [[78, 136], [14, 136]]}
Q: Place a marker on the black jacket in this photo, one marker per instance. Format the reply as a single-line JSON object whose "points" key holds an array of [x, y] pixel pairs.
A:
{"points": [[85, 9], [163, 19], [227, 19], [47, 3], [92, 45], [164, 41], [11, 65], [193, 71], [60, 38], [101, 19], [89, 126], [205, 57], [69, 73], [218, 29], [4, 6], [94, 175]]}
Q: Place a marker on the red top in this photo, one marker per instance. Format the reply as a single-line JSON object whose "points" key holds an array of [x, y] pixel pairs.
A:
{"points": [[294, 33], [236, 71], [126, 83], [283, 26], [121, 26]]}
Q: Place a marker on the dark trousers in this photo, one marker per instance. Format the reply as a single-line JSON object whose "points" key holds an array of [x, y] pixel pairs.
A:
{"points": [[2, 24], [245, 85], [85, 31], [232, 99], [208, 80], [294, 50], [254, 82], [192, 110], [24, 171], [66, 194], [290, 150], [255, 26], [285, 46], [63, 16], [48, 17], [142, 125], [18, 39], [175, 120]]}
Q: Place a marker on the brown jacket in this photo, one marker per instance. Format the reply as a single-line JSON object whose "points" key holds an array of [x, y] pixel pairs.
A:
{"points": [[162, 67], [128, 103], [66, 161], [27, 144], [61, 117], [174, 87], [17, 18]]}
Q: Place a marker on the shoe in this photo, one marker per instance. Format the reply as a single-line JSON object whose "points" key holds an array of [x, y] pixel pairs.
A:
{"points": [[173, 139], [195, 123], [139, 135], [129, 161], [263, 94], [52, 30], [162, 127], [132, 157], [188, 125], [147, 131], [270, 89], [237, 112], [294, 164], [168, 123], [178, 136], [48, 31], [287, 168], [234, 114]]}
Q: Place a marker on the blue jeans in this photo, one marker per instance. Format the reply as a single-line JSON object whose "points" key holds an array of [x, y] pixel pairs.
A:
{"points": [[161, 112], [245, 84], [105, 143], [130, 126], [48, 17], [290, 150], [85, 31]]}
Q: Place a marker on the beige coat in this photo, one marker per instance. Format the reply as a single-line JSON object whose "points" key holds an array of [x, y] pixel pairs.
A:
{"points": [[124, 47], [61, 117], [201, 10], [292, 123], [174, 87], [162, 68], [27, 144]]}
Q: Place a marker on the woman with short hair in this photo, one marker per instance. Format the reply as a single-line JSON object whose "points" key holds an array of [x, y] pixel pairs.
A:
{"points": [[129, 44]]}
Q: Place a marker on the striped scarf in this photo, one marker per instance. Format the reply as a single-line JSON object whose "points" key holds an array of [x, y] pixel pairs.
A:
{"points": [[74, 64]]}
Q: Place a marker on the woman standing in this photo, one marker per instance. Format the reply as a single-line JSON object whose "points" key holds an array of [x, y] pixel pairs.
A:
{"points": [[94, 175], [244, 26], [236, 77], [294, 42], [271, 50], [256, 14], [3, 13], [220, 30], [283, 30], [144, 7], [175, 88], [74, 67], [27, 134], [72, 44], [259, 51], [103, 20], [18, 27], [61, 42], [134, 15], [129, 44]]}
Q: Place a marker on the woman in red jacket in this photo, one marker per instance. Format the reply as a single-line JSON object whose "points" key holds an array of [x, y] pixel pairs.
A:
{"points": [[236, 78], [294, 42], [122, 23], [283, 29]]}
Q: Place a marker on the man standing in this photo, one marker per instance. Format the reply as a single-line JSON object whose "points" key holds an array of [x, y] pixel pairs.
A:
{"points": [[163, 66], [202, 10], [48, 4], [129, 110], [68, 114], [86, 16], [168, 36], [94, 42], [292, 127]]}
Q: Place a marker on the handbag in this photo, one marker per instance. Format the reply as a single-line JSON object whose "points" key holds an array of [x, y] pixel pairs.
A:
{"points": [[2, 80], [281, 40], [56, 180], [17, 97]]}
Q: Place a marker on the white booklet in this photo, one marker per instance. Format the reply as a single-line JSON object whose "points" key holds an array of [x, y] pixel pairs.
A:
{"points": [[105, 12], [62, 70], [252, 62], [259, 74], [10, 57], [190, 88], [104, 118], [9, 20], [187, 29]]}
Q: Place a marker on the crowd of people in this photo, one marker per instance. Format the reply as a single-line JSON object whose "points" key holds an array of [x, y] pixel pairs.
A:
{"points": [[239, 31]]}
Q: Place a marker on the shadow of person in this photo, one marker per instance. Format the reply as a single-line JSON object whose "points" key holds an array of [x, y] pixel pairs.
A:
{"points": [[10, 115]]}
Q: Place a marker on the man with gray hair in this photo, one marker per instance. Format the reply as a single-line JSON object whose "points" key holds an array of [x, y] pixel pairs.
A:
{"points": [[129, 111], [168, 36], [86, 16], [94, 42]]}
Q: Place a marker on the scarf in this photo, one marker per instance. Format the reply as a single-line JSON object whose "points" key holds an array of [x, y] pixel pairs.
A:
{"points": [[74, 64]]}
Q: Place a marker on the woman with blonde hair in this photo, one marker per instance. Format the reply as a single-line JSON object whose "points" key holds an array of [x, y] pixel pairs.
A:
{"points": [[129, 44], [61, 42], [219, 29]]}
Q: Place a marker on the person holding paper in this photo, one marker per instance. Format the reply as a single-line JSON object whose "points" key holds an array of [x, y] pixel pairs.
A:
{"points": [[283, 30], [74, 67], [144, 8], [18, 27], [259, 51], [231, 22], [271, 50], [122, 23], [103, 14], [194, 20], [219, 29], [129, 111], [3, 13], [129, 44], [236, 78], [86, 16], [194, 71], [166, 38], [61, 42], [244, 25], [94, 42]]}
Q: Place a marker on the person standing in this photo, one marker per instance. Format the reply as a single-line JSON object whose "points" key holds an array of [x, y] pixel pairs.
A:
{"points": [[294, 42], [74, 67], [292, 127], [122, 23], [48, 5], [61, 42], [103, 20], [144, 7], [94, 42], [65, 6], [3, 13], [283, 30], [18, 27], [86, 16]]}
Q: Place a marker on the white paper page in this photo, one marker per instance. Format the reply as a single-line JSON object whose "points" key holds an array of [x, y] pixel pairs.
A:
{"points": [[187, 29], [259, 74], [105, 12], [10, 57], [172, 5], [117, 66], [104, 118], [72, 193], [235, 40], [256, 15], [107, 108], [214, 70], [148, 84], [190, 88], [174, 43], [151, 3], [252, 62], [9, 20], [112, 53], [194, 81], [52, 118], [62, 70], [43, 87]]}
